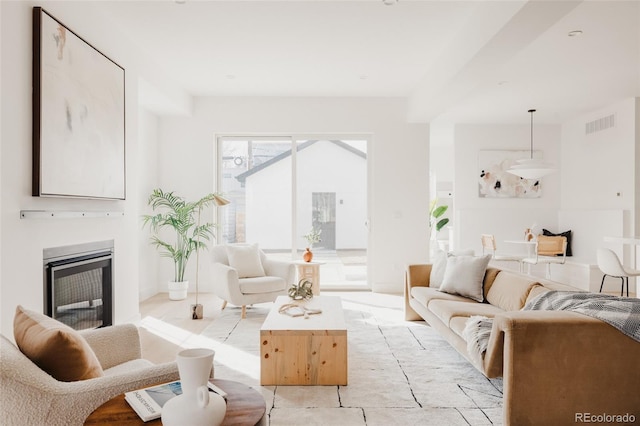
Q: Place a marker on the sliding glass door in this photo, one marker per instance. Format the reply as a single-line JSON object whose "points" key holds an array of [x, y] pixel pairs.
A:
{"points": [[331, 198], [282, 188]]}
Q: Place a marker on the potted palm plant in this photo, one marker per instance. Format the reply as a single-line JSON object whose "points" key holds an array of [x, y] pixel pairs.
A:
{"points": [[188, 236]]}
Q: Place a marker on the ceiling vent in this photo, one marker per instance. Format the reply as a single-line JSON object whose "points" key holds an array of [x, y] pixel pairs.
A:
{"points": [[600, 124]]}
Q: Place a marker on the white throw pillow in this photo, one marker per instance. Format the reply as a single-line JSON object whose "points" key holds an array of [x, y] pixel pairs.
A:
{"points": [[439, 265], [246, 260], [464, 276]]}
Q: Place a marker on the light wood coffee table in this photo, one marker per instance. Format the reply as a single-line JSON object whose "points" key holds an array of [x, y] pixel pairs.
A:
{"points": [[299, 351]]}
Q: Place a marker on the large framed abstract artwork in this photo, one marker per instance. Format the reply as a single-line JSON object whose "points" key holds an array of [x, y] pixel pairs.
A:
{"points": [[495, 182], [78, 115]]}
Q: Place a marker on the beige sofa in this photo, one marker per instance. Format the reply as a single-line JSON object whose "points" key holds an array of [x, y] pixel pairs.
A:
{"points": [[558, 367]]}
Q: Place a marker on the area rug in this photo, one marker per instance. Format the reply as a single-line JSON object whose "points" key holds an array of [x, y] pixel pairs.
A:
{"points": [[400, 373]]}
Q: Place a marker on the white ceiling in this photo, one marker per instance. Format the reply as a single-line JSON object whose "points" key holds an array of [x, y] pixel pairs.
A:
{"points": [[455, 61]]}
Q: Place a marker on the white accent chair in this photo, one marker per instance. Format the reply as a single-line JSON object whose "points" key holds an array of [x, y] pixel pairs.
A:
{"points": [[249, 278], [30, 396], [610, 265], [489, 247], [549, 250]]}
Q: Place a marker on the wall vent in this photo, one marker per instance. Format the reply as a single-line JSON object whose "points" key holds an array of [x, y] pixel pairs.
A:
{"points": [[600, 124]]}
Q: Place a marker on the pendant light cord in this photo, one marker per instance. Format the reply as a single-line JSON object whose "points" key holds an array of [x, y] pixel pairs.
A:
{"points": [[531, 111]]}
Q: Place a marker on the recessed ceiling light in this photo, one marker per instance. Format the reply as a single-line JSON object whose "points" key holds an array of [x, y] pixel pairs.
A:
{"points": [[364, 77], [180, 1], [502, 82], [575, 33], [231, 76], [389, 2]]}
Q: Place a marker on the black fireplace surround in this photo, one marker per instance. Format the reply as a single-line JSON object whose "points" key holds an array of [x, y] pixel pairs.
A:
{"points": [[78, 284]]}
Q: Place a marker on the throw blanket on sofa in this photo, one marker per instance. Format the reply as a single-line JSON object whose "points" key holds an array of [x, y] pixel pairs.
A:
{"points": [[621, 313], [476, 332]]}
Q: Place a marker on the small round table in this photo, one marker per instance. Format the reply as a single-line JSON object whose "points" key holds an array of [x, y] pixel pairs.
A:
{"points": [[245, 406]]}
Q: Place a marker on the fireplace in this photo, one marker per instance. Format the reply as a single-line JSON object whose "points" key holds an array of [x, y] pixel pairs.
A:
{"points": [[78, 284]]}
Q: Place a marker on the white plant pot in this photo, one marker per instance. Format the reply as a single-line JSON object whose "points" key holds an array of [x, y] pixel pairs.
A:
{"points": [[178, 290]]}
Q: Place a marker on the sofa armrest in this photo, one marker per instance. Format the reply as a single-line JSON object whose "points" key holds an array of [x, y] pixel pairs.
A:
{"points": [[562, 361], [416, 275], [114, 345]]}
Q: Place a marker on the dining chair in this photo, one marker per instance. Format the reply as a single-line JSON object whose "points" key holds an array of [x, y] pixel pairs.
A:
{"points": [[549, 250], [610, 265], [489, 247]]}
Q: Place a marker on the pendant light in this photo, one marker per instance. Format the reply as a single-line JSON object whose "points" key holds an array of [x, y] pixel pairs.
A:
{"points": [[531, 168]]}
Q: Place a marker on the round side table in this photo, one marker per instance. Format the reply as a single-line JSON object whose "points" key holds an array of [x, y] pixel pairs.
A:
{"points": [[245, 406]]}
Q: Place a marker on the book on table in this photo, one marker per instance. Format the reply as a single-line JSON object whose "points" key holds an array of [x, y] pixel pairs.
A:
{"points": [[148, 402]]}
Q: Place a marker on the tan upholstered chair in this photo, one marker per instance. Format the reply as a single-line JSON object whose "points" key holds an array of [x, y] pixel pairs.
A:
{"points": [[252, 279], [548, 250], [30, 396], [489, 247]]}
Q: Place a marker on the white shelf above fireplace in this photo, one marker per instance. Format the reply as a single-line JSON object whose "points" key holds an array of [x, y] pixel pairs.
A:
{"points": [[51, 214]]}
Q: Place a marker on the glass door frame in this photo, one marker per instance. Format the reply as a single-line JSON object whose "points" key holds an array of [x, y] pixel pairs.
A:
{"points": [[294, 137]]}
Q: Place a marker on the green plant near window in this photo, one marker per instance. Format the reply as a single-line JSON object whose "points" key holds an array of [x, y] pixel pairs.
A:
{"points": [[436, 221], [182, 217]]}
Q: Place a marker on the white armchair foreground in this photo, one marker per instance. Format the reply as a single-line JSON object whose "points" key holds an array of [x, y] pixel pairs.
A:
{"points": [[243, 275], [30, 396]]}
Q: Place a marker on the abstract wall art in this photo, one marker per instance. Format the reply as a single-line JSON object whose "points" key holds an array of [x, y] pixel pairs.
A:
{"points": [[495, 182], [78, 115]]}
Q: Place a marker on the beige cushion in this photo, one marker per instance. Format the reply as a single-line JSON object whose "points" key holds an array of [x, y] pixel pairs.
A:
{"points": [[425, 295], [464, 276], [246, 260], [446, 310], [509, 291], [536, 291], [54, 347]]}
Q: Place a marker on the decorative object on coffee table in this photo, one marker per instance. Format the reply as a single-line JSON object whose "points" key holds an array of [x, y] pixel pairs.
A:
{"points": [[196, 406], [301, 291], [178, 214]]}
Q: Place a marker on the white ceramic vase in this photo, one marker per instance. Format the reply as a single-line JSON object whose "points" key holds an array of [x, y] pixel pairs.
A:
{"points": [[178, 290], [196, 406]]}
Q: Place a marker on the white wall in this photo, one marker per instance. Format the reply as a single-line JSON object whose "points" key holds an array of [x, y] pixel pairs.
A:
{"points": [[600, 184], [147, 170], [596, 167], [21, 276], [398, 173], [506, 218]]}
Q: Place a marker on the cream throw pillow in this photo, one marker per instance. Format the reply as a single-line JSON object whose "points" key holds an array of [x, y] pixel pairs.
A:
{"points": [[55, 347], [246, 260], [439, 265], [464, 276]]}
